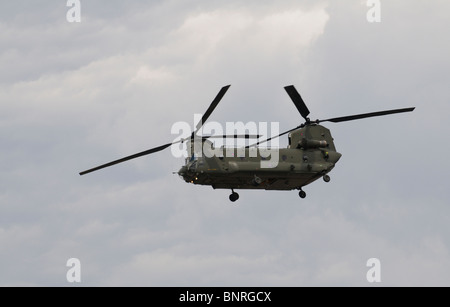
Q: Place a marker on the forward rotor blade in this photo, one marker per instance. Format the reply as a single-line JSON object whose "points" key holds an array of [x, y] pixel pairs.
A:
{"points": [[297, 100], [366, 115], [212, 106], [140, 154]]}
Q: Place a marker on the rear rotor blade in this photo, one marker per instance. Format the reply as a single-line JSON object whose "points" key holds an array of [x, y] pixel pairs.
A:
{"points": [[233, 136], [212, 106], [366, 115], [297, 100], [273, 137], [140, 154]]}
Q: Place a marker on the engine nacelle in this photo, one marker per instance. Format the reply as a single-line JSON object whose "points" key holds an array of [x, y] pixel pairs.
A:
{"points": [[308, 143], [310, 137]]}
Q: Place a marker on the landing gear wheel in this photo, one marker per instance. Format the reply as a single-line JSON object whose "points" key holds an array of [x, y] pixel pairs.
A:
{"points": [[302, 194], [326, 178], [234, 196]]}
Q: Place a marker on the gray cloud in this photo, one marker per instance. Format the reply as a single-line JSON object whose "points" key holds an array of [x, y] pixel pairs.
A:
{"points": [[76, 95]]}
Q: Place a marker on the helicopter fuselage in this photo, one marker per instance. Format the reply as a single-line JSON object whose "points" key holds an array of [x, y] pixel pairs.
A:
{"points": [[311, 154]]}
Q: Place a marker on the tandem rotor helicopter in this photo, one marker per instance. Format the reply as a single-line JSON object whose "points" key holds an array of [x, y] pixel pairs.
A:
{"points": [[310, 155]]}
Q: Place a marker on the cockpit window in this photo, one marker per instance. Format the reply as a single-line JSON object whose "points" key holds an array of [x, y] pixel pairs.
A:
{"points": [[193, 158]]}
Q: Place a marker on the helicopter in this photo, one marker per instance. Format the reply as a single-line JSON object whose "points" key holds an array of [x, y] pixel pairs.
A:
{"points": [[310, 154]]}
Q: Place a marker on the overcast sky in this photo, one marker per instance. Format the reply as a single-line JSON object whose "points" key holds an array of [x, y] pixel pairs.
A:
{"points": [[76, 95]]}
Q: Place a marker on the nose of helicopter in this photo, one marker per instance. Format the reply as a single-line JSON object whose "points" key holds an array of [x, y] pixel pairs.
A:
{"points": [[182, 170]]}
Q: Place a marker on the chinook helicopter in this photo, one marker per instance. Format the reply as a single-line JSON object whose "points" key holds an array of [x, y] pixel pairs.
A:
{"points": [[310, 154]]}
